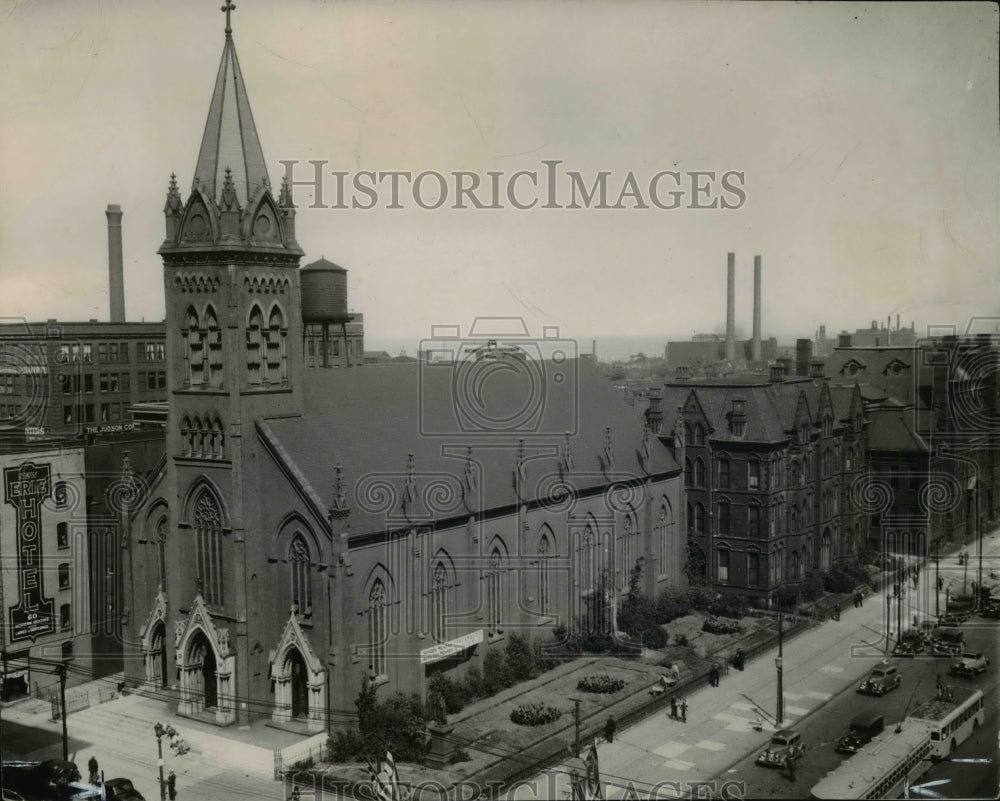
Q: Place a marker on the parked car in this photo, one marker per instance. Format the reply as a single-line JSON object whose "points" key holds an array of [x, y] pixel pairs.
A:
{"points": [[49, 779], [881, 679], [10, 795], [970, 664], [947, 642], [785, 743], [863, 728], [911, 643], [121, 790]]}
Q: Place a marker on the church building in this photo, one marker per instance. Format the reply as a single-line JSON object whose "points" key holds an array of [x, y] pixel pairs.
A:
{"points": [[310, 529]]}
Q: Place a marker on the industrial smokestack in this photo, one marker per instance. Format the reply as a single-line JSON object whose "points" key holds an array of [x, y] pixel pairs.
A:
{"points": [[755, 343], [116, 270], [897, 322], [731, 309]]}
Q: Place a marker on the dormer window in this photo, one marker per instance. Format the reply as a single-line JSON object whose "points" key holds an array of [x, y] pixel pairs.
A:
{"points": [[738, 417]]}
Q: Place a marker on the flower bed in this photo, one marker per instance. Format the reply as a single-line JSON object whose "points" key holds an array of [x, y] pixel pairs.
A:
{"points": [[714, 625], [601, 683], [537, 714]]}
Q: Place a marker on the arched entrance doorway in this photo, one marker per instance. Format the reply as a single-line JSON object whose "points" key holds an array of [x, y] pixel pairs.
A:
{"points": [[300, 687], [202, 658], [158, 655]]}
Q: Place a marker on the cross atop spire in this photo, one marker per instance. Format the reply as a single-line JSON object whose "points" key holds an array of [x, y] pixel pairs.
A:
{"points": [[228, 8]]}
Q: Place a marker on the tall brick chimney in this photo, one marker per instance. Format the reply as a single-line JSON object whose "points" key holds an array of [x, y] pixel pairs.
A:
{"points": [[116, 269], [755, 342], [731, 309]]}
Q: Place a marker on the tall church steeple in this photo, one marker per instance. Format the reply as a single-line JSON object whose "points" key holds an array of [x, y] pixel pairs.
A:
{"points": [[230, 139]]}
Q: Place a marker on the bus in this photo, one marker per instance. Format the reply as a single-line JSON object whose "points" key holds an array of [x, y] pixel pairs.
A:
{"points": [[881, 769], [951, 717]]}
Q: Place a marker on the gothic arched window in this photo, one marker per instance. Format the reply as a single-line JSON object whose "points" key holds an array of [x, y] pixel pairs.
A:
{"points": [[255, 356], [212, 337], [378, 626], [494, 589], [208, 547], [300, 562], [544, 576]]}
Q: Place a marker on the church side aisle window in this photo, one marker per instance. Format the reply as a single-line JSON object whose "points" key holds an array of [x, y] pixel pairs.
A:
{"points": [[208, 548], [378, 627], [544, 576], [300, 562], [439, 603], [494, 579]]}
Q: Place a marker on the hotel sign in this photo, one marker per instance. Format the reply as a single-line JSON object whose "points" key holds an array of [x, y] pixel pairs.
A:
{"points": [[445, 649], [26, 487]]}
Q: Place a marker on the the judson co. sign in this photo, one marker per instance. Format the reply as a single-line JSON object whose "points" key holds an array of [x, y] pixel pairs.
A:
{"points": [[26, 487]]}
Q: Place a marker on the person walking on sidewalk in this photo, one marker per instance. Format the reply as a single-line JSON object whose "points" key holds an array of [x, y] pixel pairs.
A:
{"points": [[609, 729], [684, 710], [171, 786], [673, 707], [95, 773], [713, 676]]}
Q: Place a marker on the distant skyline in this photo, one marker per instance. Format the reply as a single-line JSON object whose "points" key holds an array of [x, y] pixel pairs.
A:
{"points": [[865, 135]]}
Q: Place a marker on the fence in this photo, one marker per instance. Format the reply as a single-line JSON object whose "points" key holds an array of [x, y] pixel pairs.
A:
{"points": [[82, 698], [301, 754]]}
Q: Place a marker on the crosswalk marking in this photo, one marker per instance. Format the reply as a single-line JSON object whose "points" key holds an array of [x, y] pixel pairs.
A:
{"points": [[671, 749], [678, 764], [710, 745]]}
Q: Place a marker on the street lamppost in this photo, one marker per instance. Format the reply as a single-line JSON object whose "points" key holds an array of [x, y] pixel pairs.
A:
{"points": [[779, 716], [937, 578], [160, 731]]}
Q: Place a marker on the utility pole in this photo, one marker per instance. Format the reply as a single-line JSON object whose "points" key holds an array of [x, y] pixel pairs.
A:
{"points": [[779, 716], [62, 707], [576, 716]]}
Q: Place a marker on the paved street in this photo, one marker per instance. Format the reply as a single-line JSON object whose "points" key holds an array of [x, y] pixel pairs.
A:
{"points": [[819, 665], [120, 734]]}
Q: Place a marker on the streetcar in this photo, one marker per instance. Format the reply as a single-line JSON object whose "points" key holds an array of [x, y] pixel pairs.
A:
{"points": [[951, 717], [881, 769]]}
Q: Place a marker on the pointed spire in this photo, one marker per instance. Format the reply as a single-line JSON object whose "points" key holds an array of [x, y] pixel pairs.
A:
{"points": [[230, 133], [173, 205], [285, 196], [339, 506]]}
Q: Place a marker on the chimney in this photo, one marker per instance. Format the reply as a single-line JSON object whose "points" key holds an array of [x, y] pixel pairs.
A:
{"points": [[731, 309], [816, 368], [803, 355], [116, 273], [844, 340], [755, 342], [897, 322], [777, 373]]}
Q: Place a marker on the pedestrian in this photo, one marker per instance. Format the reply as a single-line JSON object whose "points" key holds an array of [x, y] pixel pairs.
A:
{"points": [[859, 599], [940, 583], [740, 659], [95, 773], [790, 766], [609, 729], [673, 706], [684, 710], [836, 612], [713, 676], [171, 786], [675, 671], [295, 795], [940, 686]]}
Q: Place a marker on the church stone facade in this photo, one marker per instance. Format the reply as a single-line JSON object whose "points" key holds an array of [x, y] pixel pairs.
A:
{"points": [[311, 529]]}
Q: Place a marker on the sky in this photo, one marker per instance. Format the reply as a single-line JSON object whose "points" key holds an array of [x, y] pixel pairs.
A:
{"points": [[865, 136]]}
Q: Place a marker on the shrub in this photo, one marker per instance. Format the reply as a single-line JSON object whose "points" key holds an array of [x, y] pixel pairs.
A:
{"points": [[812, 586], [838, 581], [729, 606], [786, 597], [601, 683], [714, 625], [699, 597], [536, 714], [670, 605], [345, 745], [521, 664], [496, 675]]}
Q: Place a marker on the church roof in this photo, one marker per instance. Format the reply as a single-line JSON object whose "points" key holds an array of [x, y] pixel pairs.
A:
{"points": [[370, 419], [230, 139]]}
